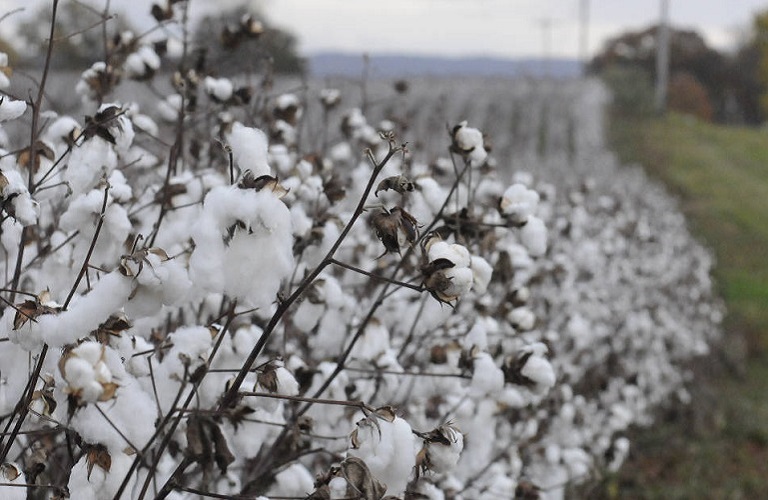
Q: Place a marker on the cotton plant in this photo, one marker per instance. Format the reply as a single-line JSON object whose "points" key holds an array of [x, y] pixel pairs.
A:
{"points": [[436, 317]]}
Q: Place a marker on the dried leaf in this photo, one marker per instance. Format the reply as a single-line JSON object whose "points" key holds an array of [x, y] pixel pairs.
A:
{"points": [[109, 391], [362, 483], [41, 150], [334, 189], [98, 455], [513, 368], [248, 181], [221, 454], [386, 412], [394, 228], [31, 309], [396, 183], [103, 123], [161, 14], [114, 326], [9, 471]]}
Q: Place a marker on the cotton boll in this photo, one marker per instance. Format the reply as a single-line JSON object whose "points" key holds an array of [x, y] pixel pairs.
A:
{"points": [[388, 450], [487, 378], [256, 259], [522, 318], [469, 141], [534, 236], [10, 109], [482, 272], [293, 481], [540, 371], [169, 108], [219, 88], [89, 481], [442, 457], [458, 254], [461, 280], [518, 203], [374, 341], [249, 149]]}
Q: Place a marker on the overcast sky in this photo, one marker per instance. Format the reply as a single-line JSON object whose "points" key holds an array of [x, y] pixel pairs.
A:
{"points": [[509, 28]]}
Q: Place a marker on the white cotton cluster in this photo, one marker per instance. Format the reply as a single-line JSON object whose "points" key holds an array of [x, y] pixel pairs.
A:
{"points": [[142, 64], [293, 481], [487, 378], [387, 448], [84, 315], [87, 86], [158, 281], [90, 479], [538, 369], [14, 191], [469, 142], [518, 203], [256, 258], [170, 107], [522, 318], [482, 272], [11, 109], [220, 89], [460, 275], [442, 457], [249, 149], [534, 236], [86, 373], [330, 97]]}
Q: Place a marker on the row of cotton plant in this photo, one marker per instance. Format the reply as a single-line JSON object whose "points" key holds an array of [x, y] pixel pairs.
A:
{"points": [[237, 291]]}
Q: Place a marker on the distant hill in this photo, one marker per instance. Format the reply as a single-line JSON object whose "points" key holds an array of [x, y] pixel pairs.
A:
{"points": [[394, 65]]}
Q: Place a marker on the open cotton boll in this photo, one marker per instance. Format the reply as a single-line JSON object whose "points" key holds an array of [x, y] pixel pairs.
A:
{"points": [[482, 272], [169, 108], [460, 281], [522, 318], [458, 254], [142, 63], [534, 236], [256, 259], [518, 202], [220, 88], [249, 149], [293, 481], [487, 378], [387, 448], [84, 315], [25, 209], [93, 482], [442, 457], [540, 371], [11, 109]]}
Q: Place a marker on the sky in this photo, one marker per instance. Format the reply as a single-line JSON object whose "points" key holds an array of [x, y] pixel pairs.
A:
{"points": [[505, 28]]}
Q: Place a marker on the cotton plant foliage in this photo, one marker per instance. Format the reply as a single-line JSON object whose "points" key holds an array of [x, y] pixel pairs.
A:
{"points": [[240, 291]]}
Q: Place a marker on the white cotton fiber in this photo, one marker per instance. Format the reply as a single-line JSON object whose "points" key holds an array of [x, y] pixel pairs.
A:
{"points": [[249, 149]]}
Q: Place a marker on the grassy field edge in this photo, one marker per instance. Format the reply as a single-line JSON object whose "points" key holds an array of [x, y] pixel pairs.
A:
{"points": [[717, 448]]}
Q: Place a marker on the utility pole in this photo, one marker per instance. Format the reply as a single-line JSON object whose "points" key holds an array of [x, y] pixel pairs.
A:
{"points": [[546, 46], [662, 58], [584, 34]]}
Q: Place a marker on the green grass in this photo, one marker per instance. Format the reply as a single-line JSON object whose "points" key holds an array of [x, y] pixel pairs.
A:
{"points": [[719, 447]]}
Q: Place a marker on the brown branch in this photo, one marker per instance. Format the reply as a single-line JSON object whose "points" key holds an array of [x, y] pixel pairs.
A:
{"points": [[84, 267]]}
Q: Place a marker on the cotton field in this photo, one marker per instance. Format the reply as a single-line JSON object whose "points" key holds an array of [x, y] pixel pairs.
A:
{"points": [[330, 290]]}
